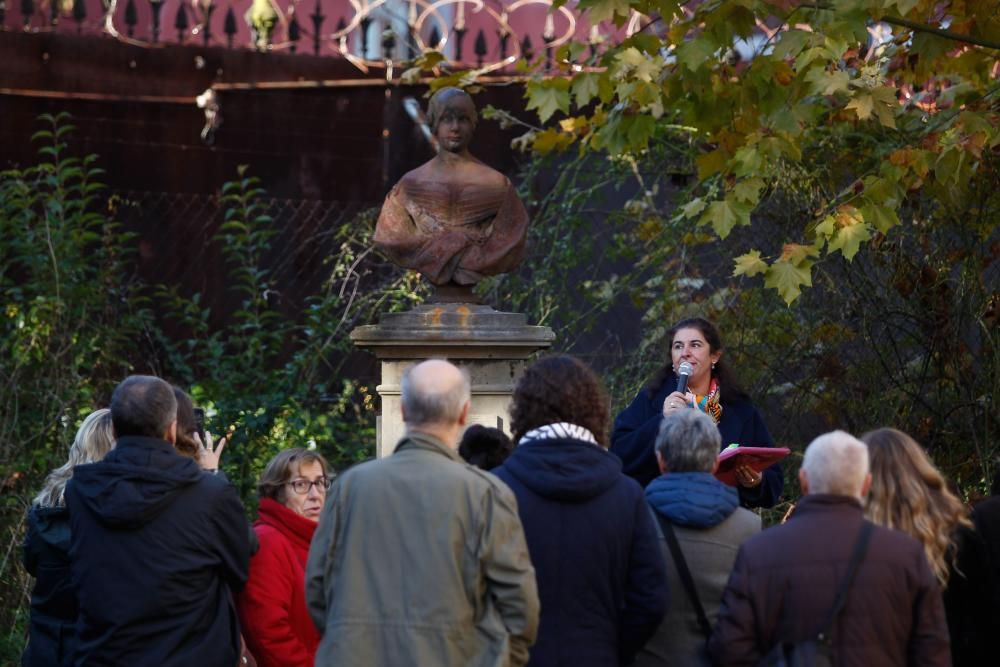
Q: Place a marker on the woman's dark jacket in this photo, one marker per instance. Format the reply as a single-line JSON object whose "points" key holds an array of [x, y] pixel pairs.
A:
{"points": [[972, 598], [52, 625], [634, 437], [601, 579]]}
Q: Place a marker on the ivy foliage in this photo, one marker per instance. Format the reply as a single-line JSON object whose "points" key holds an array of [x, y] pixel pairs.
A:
{"points": [[907, 88]]}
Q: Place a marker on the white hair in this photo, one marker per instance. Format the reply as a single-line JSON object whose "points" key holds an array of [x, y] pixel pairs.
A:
{"points": [[836, 463]]}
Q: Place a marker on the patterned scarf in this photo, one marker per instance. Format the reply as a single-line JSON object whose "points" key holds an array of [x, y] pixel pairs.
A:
{"points": [[560, 430], [709, 404]]}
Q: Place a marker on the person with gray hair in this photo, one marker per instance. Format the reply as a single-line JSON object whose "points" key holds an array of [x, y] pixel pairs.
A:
{"points": [[709, 525], [420, 557], [785, 580], [157, 546]]}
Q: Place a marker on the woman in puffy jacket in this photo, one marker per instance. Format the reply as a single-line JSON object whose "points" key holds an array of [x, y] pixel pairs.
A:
{"points": [[272, 606], [52, 623]]}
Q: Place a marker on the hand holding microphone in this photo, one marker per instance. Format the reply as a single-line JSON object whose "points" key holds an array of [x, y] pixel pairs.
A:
{"points": [[680, 398]]}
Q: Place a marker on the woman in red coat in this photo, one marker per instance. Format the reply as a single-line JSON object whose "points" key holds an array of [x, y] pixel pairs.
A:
{"points": [[272, 607]]}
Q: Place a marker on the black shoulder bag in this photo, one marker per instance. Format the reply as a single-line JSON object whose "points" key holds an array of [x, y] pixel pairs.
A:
{"points": [[818, 652], [685, 574]]}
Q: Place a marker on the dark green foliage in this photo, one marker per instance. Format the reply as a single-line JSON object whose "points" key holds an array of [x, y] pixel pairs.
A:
{"points": [[75, 322]]}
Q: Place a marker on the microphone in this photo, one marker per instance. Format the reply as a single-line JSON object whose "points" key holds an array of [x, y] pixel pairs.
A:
{"points": [[683, 374]]}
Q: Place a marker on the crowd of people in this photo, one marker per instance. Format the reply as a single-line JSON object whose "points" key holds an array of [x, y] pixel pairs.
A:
{"points": [[570, 543]]}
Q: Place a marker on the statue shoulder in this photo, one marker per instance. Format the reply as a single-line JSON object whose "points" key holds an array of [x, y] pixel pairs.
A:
{"points": [[488, 175]]}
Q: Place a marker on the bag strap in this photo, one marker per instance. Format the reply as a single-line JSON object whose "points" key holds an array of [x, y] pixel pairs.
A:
{"points": [[682, 569], [860, 547]]}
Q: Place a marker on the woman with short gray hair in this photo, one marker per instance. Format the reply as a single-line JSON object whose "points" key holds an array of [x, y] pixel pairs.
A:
{"points": [[705, 516]]}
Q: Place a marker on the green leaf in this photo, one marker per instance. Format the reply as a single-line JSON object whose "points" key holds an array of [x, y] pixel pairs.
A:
{"points": [[826, 227], [747, 162], [882, 217], [790, 43], [906, 6], [607, 10], [788, 279], [749, 264], [695, 53], [548, 96], [828, 83], [639, 65], [748, 190], [693, 207], [724, 215], [862, 103], [585, 87], [849, 238]]}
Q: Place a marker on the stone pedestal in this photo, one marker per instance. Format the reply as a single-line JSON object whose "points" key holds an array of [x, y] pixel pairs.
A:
{"points": [[493, 346]]}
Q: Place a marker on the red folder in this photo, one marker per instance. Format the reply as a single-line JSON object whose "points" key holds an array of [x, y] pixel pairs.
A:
{"points": [[758, 458]]}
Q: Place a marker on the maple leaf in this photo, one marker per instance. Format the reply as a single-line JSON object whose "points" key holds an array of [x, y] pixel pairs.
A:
{"points": [[550, 140], [849, 238], [725, 214], [695, 53], [826, 227], [638, 64], [693, 207], [748, 190], [788, 279], [882, 217], [885, 103], [548, 96], [796, 253], [585, 87], [828, 83], [606, 10], [749, 264], [862, 102]]}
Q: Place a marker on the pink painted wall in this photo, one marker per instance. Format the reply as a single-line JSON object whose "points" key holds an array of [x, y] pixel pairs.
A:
{"points": [[526, 20]]}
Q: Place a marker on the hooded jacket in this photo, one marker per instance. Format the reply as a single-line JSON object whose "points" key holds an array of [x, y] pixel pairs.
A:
{"points": [[710, 527], [272, 607], [52, 626], [156, 548], [600, 575]]}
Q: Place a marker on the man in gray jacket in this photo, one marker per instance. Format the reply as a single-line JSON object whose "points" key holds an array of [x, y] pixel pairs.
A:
{"points": [[419, 558], [710, 526]]}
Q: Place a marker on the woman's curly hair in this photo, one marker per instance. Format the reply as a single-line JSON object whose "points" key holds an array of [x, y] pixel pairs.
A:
{"points": [[560, 388], [909, 494]]}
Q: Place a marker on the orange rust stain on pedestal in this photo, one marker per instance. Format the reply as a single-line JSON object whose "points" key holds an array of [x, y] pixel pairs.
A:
{"points": [[435, 316], [463, 316]]}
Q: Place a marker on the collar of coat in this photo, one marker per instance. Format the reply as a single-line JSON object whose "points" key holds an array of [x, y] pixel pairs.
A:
{"points": [[819, 503], [427, 442]]}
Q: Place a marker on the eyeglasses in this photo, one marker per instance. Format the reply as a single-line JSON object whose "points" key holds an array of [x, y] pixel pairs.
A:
{"points": [[302, 486]]}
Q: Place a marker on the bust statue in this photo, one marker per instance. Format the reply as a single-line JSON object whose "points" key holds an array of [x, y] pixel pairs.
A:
{"points": [[453, 219]]}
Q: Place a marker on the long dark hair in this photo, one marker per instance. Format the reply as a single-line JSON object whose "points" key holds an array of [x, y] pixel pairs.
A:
{"points": [[722, 373], [560, 388]]}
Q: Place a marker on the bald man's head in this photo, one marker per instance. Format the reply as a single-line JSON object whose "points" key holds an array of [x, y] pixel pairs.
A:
{"points": [[434, 393]]}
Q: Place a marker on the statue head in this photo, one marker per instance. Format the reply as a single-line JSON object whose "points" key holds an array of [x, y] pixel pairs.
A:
{"points": [[452, 117]]}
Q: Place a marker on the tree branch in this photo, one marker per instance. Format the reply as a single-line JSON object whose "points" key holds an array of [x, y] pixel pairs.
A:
{"points": [[919, 27], [946, 34]]}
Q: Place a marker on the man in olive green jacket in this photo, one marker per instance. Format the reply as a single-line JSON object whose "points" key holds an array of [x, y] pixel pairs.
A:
{"points": [[419, 558]]}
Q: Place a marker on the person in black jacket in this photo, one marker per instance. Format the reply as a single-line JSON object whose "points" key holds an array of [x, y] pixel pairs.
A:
{"points": [[52, 623], [156, 545], [711, 389], [601, 579]]}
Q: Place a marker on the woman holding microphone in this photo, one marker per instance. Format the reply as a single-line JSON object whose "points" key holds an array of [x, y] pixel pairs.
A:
{"points": [[696, 349]]}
